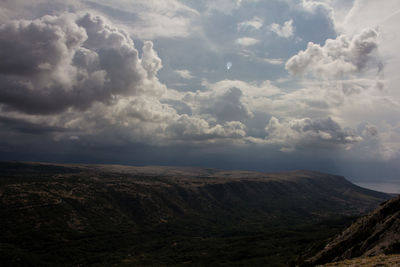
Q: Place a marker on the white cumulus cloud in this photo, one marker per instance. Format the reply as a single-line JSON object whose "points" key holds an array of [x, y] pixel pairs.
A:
{"points": [[253, 24], [286, 30], [247, 41], [186, 74], [339, 57]]}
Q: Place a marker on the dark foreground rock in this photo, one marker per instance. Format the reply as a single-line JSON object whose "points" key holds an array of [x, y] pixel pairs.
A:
{"points": [[373, 234]]}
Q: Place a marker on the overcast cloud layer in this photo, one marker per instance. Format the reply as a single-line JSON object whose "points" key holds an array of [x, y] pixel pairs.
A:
{"points": [[265, 85]]}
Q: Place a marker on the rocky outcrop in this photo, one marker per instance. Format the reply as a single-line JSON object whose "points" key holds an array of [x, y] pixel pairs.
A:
{"points": [[373, 234]]}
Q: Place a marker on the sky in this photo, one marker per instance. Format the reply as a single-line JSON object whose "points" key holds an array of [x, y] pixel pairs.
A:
{"points": [[232, 84]]}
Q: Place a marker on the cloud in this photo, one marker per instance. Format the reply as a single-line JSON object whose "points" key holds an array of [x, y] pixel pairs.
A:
{"points": [[247, 41], [251, 89], [315, 21], [145, 120], [376, 13], [382, 143], [150, 19], [306, 132], [261, 58], [369, 130], [92, 82], [184, 74], [222, 105], [256, 97], [16, 9], [83, 74], [224, 6], [228, 106], [194, 129], [320, 7], [27, 127], [338, 58], [385, 18], [273, 61], [250, 25], [389, 142], [57, 62], [150, 60], [285, 31]]}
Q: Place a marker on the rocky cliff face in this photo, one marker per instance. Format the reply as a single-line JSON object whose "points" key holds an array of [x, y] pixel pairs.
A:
{"points": [[376, 233]]}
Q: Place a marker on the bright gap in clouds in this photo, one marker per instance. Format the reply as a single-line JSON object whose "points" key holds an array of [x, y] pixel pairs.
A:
{"points": [[314, 84]]}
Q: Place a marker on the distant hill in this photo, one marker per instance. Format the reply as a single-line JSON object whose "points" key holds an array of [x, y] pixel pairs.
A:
{"points": [[71, 214], [374, 234]]}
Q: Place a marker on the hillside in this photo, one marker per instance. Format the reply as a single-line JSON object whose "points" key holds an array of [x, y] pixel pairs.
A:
{"points": [[373, 234], [101, 214], [373, 261]]}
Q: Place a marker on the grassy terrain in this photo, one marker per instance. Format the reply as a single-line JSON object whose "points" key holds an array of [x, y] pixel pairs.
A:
{"points": [[114, 215], [375, 261]]}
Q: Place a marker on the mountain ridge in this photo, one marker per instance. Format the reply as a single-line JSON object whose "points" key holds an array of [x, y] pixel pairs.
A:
{"points": [[173, 170]]}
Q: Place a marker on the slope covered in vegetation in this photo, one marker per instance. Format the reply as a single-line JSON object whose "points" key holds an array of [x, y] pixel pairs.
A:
{"points": [[55, 214]]}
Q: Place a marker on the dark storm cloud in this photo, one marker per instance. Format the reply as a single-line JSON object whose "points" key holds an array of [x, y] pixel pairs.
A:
{"points": [[56, 62], [27, 127], [33, 47]]}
